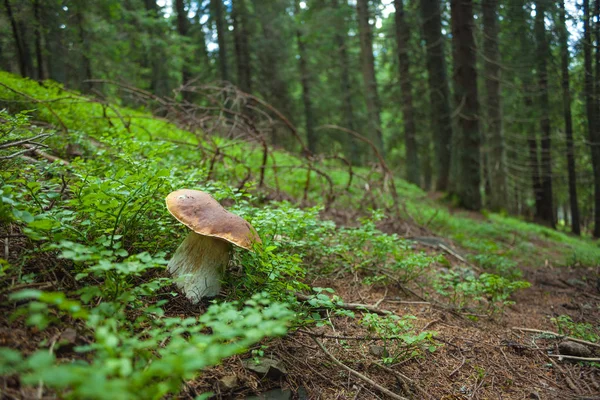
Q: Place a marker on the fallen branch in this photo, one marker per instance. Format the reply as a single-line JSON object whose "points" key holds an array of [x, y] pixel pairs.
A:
{"points": [[358, 338], [358, 374], [47, 156], [558, 336], [458, 368], [350, 306], [561, 357], [23, 141]]}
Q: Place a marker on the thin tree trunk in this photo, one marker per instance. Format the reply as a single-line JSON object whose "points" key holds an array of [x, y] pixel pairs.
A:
{"points": [[38, 41], [547, 211], [240, 32], [590, 105], [496, 156], [19, 42], [85, 60], [368, 70], [159, 81], [413, 167], [55, 49], [305, 81], [217, 6], [183, 29], [534, 164], [465, 77], [564, 50], [439, 91], [345, 84]]}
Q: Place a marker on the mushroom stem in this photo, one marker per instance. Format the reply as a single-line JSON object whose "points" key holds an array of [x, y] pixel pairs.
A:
{"points": [[198, 265]]}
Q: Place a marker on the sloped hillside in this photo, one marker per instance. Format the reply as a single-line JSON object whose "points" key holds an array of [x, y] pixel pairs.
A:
{"points": [[364, 286]]}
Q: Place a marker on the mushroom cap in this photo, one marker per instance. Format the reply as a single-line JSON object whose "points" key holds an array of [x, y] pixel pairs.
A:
{"points": [[200, 212]]}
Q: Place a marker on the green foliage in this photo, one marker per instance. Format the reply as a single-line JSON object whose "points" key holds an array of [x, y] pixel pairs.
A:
{"points": [[146, 358], [103, 217], [487, 292], [581, 330], [400, 342]]}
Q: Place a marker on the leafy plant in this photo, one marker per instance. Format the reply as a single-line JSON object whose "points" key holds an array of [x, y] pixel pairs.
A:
{"points": [[489, 293], [145, 359], [581, 330], [399, 340]]}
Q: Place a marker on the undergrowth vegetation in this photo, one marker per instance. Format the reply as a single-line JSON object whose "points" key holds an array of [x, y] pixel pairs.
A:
{"points": [[89, 240]]}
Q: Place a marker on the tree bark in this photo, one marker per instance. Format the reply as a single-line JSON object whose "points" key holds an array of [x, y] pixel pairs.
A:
{"points": [[465, 78], [159, 82], [565, 61], [55, 43], [368, 70], [217, 7], [306, 86], [22, 50], [242, 51], [86, 63], [345, 84], [496, 156], [439, 91], [592, 122], [183, 28], [38, 40], [546, 213], [413, 167]]}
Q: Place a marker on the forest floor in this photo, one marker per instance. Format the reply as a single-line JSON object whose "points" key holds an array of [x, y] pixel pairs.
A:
{"points": [[480, 358]]}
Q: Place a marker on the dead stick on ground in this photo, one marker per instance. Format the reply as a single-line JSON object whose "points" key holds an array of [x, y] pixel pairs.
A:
{"points": [[47, 156], [558, 336], [358, 374], [350, 306], [458, 368], [561, 357]]}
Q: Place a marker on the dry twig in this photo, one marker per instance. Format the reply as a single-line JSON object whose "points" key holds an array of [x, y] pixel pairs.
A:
{"points": [[561, 357], [358, 374], [558, 336], [350, 306]]}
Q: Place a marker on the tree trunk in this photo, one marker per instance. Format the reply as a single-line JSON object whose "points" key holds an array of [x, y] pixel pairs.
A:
{"points": [[496, 157], [38, 41], [55, 43], [159, 83], [564, 51], [542, 52], [465, 78], [345, 84], [183, 28], [368, 70], [22, 50], [217, 7], [242, 51], [305, 81], [592, 123], [439, 91], [413, 167], [86, 64], [534, 162]]}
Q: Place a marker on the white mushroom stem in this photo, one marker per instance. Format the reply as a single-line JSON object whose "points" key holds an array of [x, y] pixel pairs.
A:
{"points": [[198, 265]]}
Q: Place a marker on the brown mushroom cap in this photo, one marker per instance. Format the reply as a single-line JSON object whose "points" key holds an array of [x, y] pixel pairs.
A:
{"points": [[200, 212]]}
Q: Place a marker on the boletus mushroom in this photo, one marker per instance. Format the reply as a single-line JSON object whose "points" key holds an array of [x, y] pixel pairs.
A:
{"points": [[200, 261]]}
